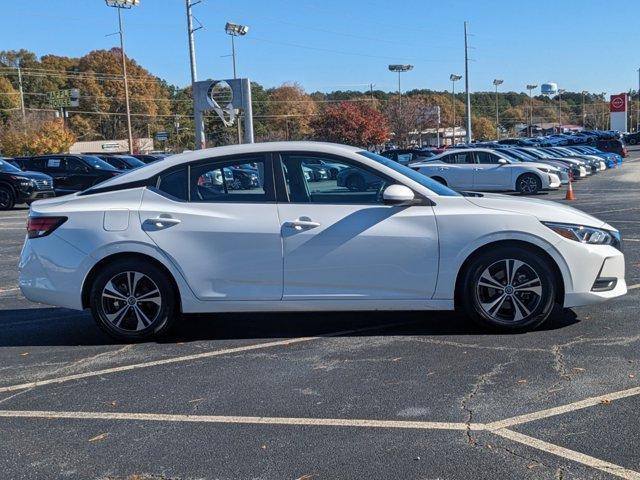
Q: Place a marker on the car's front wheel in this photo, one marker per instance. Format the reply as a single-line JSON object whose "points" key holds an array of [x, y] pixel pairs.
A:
{"points": [[7, 200], [133, 300], [528, 184], [509, 289]]}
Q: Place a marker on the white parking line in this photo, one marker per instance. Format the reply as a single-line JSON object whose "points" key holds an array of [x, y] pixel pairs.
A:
{"points": [[157, 417], [633, 287], [10, 289], [570, 407], [572, 455], [632, 239], [186, 358]]}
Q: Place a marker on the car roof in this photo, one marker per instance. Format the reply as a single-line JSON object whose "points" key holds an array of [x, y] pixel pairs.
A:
{"points": [[154, 168]]}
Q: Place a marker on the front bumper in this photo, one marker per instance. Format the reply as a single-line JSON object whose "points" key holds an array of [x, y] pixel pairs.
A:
{"points": [[596, 273], [554, 181]]}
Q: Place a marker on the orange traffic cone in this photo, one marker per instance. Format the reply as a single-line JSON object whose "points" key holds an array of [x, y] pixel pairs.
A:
{"points": [[570, 195]]}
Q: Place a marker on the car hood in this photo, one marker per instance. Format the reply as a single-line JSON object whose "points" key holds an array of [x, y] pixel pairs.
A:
{"points": [[543, 210], [32, 175]]}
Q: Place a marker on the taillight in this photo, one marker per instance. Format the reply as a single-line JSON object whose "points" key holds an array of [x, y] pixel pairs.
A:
{"points": [[38, 227]]}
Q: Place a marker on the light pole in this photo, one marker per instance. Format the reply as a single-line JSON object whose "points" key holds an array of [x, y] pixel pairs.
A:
{"points": [[560, 92], [584, 113], [454, 78], [235, 30], [531, 87], [400, 69], [638, 112], [120, 4], [496, 83]]}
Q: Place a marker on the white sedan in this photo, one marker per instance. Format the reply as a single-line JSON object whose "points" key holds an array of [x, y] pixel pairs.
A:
{"points": [[486, 170], [165, 239]]}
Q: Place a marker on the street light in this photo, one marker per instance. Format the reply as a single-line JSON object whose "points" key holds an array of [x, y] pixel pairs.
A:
{"points": [[120, 4], [531, 87], [400, 69], [454, 78], [235, 30], [496, 83], [560, 92]]}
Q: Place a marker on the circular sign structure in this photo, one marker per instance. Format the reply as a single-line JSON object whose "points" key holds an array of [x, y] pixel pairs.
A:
{"points": [[617, 103], [220, 95]]}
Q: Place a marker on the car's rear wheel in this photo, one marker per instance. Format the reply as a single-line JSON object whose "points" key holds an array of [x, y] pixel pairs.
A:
{"points": [[509, 289], [7, 200], [632, 140], [528, 184], [133, 300]]}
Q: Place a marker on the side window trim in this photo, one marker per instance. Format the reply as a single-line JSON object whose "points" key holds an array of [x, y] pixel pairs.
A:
{"points": [[222, 162], [283, 196]]}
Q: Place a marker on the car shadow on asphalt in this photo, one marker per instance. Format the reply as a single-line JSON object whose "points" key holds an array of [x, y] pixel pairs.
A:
{"points": [[62, 327]]}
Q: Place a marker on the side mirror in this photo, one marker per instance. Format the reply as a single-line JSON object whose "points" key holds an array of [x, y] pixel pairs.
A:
{"points": [[502, 161], [398, 195]]}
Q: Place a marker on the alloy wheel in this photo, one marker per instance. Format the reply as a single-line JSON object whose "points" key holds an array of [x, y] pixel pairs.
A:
{"points": [[528, 184], [509, 291], [5, 198], [131, 301]]}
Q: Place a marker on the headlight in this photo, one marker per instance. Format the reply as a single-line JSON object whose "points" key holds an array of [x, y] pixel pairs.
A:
{"points": [[590, 235], [545, 170]]}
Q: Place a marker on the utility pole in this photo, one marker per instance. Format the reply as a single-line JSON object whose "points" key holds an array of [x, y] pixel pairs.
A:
{"points": [[466, 84], [24, 115], [371, 92], [560, 92], [584, 114], [638, 111], [531, 87], [197, 115]]}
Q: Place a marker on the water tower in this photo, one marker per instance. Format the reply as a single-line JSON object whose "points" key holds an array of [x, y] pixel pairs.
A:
{"points": [[549, 89]]}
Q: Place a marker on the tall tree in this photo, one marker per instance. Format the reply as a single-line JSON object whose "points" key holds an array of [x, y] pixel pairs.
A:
{"points": [[290, 113], [352, 123]]}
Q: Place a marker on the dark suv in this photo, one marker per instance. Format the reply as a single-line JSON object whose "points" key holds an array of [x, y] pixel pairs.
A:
{"points": [[17, 186], [613, 146], [71, 173]]}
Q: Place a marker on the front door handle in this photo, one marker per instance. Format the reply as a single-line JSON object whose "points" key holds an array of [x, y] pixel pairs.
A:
{"points": [[301, 224]]}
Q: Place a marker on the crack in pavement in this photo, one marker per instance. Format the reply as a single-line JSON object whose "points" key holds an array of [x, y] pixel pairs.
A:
{"points": [[482, 380]]}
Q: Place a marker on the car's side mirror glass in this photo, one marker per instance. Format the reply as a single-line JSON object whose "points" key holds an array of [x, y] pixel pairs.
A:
{"points": [[398, 195]]}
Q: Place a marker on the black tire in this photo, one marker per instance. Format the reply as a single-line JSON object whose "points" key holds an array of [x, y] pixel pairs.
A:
{"points": [[632, 141], [508, 313], [103, 304], [528, 184], [356, 183], [7, 199], [440, 180]]}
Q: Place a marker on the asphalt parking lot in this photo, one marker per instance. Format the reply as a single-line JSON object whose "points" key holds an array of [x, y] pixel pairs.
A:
{"points": [[336, 395]]}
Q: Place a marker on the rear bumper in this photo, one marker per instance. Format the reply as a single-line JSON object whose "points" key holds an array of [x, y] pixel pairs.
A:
{"points": [[53, 280]]}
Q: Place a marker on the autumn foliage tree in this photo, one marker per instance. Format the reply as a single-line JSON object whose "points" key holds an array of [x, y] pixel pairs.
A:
{"points": [[36, 138], [351, 123]]}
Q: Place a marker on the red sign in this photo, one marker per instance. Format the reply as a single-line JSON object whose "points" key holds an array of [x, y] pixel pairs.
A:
{"points": [[618, 103]]}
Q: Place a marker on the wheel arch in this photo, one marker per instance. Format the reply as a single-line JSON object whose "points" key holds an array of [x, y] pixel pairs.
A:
{"points": [[91, 275], [531, 247], [4, 183], [439, 179]]}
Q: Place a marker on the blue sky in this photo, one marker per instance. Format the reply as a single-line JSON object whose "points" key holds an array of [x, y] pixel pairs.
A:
{"points": [[332, 44]]}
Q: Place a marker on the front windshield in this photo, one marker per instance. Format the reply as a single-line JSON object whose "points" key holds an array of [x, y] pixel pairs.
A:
{"points": [[423, 180], [7, 167], [98, 163], [132, 161]]}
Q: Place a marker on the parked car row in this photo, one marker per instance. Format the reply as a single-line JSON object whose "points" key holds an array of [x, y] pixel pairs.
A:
{"points": [[606, 141], [25, 179], [495, 166]]}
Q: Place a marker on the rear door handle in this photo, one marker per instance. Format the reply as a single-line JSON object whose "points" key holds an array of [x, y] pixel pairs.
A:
{"points": [[301, 224], [161, 222]]}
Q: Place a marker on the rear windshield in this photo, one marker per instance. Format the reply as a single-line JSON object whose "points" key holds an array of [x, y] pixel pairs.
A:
{"points": [[98, 163], [423, 180]]}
